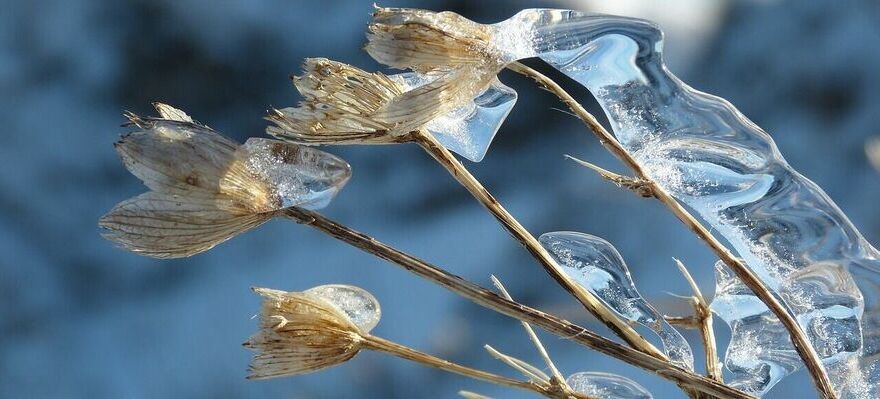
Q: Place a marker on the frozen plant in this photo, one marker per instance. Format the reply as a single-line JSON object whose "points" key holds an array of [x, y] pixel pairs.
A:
{"points": [[797, 285]]}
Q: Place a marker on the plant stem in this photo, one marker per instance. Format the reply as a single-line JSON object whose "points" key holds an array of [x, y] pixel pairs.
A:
{"points": [[703, 319], [526, 239], [532, 336], [383, 345], [490, 300], [801, 343]]}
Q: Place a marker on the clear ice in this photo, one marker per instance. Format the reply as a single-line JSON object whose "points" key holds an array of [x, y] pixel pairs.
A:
{"points": [[597, 266], [728, 171], [360, 306], [606, 386], [299, 175], [469, 129]]}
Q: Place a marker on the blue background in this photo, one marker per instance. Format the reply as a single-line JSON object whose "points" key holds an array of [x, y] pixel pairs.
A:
{"points": [[82, 319]]}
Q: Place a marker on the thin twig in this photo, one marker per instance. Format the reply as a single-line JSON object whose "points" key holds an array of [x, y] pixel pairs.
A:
{"points": [[490, 300], [526, 239], [532, 336], [383, 345], [639, 186], [529, 371], [472, 395], [704, 323], [801, 343]]}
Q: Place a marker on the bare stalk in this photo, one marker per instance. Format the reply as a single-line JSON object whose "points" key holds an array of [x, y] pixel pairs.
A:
{"points": [[703, 317], [490, 300], [532, 336], [801, 343], [383, 345], [526, 239]]}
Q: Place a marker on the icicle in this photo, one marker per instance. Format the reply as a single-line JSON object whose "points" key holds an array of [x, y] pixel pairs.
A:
{"points": [[597, 266]]}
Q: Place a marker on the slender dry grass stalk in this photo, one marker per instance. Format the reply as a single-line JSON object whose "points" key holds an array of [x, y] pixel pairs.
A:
{"points": [[532, 336], [703, 323], [383, 345], [490, 300], [800, 340]]}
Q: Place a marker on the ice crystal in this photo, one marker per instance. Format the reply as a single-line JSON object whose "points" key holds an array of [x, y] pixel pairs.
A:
{"points": [[300, 176], [607, 386], [469, 129], [597, 266], [360, 306]]}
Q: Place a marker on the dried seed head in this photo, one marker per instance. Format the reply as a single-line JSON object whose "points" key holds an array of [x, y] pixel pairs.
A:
{"points": [[338, 107], [300, 333], [346, 105], [205, 188], [426, 40]]}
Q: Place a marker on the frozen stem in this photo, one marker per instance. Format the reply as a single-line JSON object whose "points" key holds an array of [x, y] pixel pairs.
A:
{"points": [[490, 300], [703, 320], [585, 297], [801, 343], [383, 345]]}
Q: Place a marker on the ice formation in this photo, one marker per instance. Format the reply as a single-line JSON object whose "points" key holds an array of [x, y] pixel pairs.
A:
{"points": [[360, 306], [728, 171], [299, 175], [606, 386], [597, 266], [468, 130]]}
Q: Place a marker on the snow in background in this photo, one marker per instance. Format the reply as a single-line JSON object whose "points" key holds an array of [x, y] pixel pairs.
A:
{"points": [[81, 319]]}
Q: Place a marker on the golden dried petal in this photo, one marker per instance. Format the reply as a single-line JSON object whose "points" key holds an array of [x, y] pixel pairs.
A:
{"points": [[162, 225]]}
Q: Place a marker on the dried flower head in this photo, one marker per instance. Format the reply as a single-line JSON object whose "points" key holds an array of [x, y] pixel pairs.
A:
{"points": [[300, 333], [427, 40], [346, 105], [206, 188]]}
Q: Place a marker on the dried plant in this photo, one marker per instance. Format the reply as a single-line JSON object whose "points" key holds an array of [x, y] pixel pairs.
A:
{"points": [[206, 189]]}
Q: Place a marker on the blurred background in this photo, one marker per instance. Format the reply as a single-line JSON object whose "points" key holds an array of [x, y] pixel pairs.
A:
{"points": [[82, 319]]}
